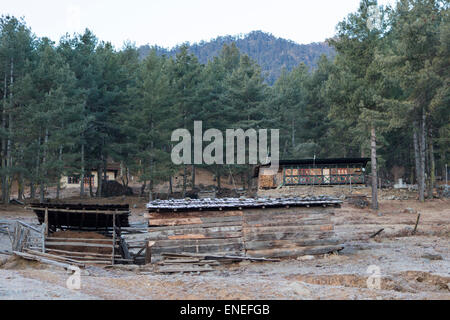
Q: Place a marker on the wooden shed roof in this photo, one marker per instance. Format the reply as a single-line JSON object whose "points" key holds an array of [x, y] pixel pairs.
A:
{"points": [[238, 203]]}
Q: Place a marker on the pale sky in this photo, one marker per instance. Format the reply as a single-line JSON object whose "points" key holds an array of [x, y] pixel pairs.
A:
{"points": [[171, 22]]}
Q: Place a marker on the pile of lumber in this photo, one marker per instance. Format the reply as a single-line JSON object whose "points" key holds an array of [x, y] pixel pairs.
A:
{"points": [[191, 262], [50, 259], [289, 232], [87, 247], [255, 227], [195, 232]]}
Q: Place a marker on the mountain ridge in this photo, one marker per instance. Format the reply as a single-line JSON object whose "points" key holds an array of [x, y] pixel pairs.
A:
{"points": [[270, 52]]}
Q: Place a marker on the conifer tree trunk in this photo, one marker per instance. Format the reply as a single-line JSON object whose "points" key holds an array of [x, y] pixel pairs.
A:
{"points": [[91, 192], [432, 165], [20, 187], [416, 153], [58, 183], [32, 190], [10, 131], [184, 180], [3, 151], [44, 159], [144, 184], [150, 183], [422, 149], [373, 160], [170, 185], [293, 133], [99, 180], [82, 171]]}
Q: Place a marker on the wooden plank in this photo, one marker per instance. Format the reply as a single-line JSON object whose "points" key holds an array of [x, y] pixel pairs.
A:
{"points": [[148, 252], [187, 268], [28, 226], [198, 226], [291, 210], [291, 228], [272, 244], [87, 260], [286, 223], [81, 253], [195, 236], [287, 235], [218, 256], [55, 257], [198, 214], [79, 244], [193, 220], [288, 229], [81, 211], [293, 252], [79, 239], [237, 247], [212, 232], [43, 260], [173, 243], [301, 217]]}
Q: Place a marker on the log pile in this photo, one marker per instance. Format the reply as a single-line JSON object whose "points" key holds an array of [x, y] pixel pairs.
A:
{"points": [[283, 227]]}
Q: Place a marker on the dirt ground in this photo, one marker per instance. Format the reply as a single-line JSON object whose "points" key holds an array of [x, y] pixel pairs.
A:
{"points": [[407, 266]]}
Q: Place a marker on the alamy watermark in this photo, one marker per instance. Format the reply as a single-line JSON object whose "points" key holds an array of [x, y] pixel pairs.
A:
{"points": [[74, 280], [259, 151], [374, 280]]}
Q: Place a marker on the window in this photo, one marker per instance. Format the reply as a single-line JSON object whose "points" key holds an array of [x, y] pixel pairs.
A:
{"points": [[73, 179]]}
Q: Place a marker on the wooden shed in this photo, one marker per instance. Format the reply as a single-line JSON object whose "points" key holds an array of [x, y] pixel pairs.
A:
{"points": [[283, 227]]}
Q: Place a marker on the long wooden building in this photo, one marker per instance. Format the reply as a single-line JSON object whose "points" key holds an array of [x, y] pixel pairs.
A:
{"points": [[304, 172]]}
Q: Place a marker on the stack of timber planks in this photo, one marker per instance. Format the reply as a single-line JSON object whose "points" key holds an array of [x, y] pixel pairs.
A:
{"points": [[289, 232], [243, 227], [196, 232]]}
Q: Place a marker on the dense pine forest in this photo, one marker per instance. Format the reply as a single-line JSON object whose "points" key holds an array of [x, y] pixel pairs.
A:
{"points": [[272, 54], [68, 107]]}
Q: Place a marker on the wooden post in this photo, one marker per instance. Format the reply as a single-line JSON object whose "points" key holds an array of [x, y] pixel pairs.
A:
{"points": [[148, 252], [46, 222], [417, 222], [43, 237], [114, 237]]}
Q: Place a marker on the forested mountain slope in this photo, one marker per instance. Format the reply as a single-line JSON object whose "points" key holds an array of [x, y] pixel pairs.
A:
{"points": [[272, 53]]}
